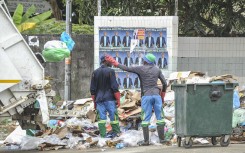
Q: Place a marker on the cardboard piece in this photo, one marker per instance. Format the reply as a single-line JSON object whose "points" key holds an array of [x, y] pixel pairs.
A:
{"points": [[61, 132], [126, 115], [226, 78], [83, 101], [136, 96], [129, 105], [91, 115]]}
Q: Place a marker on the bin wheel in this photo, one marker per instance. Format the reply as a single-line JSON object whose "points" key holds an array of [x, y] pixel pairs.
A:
{"points": [[214, 141], [189, 144], [223, 143], [179, 141]]}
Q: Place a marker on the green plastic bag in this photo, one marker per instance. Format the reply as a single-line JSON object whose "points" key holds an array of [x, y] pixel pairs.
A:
{"points": [[238, 117], [55, 54]]}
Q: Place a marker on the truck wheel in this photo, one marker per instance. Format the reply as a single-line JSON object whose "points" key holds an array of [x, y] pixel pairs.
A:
{"points": [[223, 143], [214, 141], [189, 144]]}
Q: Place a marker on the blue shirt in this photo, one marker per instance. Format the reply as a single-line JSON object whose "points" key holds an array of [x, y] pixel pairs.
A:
{"points": [[103, 84]]}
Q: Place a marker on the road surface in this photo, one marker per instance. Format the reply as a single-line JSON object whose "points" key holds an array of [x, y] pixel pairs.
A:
{"points": [[232, 148]]}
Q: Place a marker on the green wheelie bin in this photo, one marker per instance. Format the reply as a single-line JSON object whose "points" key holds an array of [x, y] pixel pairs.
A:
{"points": [[203, 110]]}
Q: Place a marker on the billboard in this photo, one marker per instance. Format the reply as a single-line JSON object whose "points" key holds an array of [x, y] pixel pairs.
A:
{"points": [[129, 45]]}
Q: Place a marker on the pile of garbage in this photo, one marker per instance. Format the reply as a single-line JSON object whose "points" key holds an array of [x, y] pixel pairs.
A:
{"points": [[83, 133], [77, 128], [191, 77], [238, 122]]}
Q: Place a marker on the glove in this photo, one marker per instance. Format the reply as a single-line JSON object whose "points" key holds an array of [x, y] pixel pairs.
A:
{"points": [[162, 95], [111, 60], [93, 97], [117, 97]]}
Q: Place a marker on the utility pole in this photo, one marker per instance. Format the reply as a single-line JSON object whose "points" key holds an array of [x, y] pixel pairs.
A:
{"points": [[176, 8], [67, 89], [99, 7]]}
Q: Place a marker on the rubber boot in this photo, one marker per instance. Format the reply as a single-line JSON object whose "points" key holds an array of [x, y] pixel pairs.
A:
{"points": [[102, 128], [160, 131], [146, 136], [115, 128]]}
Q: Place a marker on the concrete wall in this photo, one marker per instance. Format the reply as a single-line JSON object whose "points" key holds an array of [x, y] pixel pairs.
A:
{"points": [[215, 56], [81, 64]]}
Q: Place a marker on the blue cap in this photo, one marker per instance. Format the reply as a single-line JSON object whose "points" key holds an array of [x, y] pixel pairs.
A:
{"points": [[102, 58]]}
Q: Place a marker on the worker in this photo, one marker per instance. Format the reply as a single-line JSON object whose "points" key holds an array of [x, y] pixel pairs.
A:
{"points": [[151, 95], [106, 96]]}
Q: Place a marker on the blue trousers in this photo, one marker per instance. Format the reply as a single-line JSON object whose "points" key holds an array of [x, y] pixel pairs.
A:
{"points": [[108, 106], [149, 102]]}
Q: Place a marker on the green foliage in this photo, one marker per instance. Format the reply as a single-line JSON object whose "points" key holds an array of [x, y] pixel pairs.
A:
{"points": [[17, 17], [30, 11], [87, 9], [57, 27], [215, 18], [26, 22], [40, 18], [196, 17]]}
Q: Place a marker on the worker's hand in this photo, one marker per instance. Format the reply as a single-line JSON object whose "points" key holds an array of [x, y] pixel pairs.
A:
{"points": [[93, 97], [162, 95], [117, 97], [111, 60]]}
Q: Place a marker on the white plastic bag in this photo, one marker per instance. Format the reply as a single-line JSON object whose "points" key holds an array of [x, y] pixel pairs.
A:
{"points": [[73, 142], [132, 137], [53, 139], [54, 44], [16, 136], [30, 143], [169, 111], [102, 142], [74, 122], [154, 139]]}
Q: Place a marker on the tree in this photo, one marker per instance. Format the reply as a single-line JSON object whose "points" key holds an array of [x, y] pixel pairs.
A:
{"points": [[196, 17], [28, 20], [56, 10], [87, 9], [211, 17]]}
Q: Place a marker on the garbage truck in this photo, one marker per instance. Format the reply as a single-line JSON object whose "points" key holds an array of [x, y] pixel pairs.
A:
{"points": [[24, 93]]}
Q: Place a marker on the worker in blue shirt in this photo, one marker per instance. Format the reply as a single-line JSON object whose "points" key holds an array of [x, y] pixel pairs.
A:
{"points": [[106, 96]]}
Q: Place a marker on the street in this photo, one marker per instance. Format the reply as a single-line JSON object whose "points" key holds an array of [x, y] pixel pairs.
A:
{"points": [[233, 148]]}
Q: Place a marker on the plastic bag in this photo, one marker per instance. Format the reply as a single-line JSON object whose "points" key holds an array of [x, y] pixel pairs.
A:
{"points": [[169, 111], [55, 44], [236, 100], [53, 139], [16, 136], [68, 40], [55, 54], [52, 124], [154, 139], [238, 117], [30, 143], [73, 142], [132, 137], [169, 133], [102, 141]]}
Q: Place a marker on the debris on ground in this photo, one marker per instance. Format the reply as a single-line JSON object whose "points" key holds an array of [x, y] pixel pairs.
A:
{"points": [[77, 126]]}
